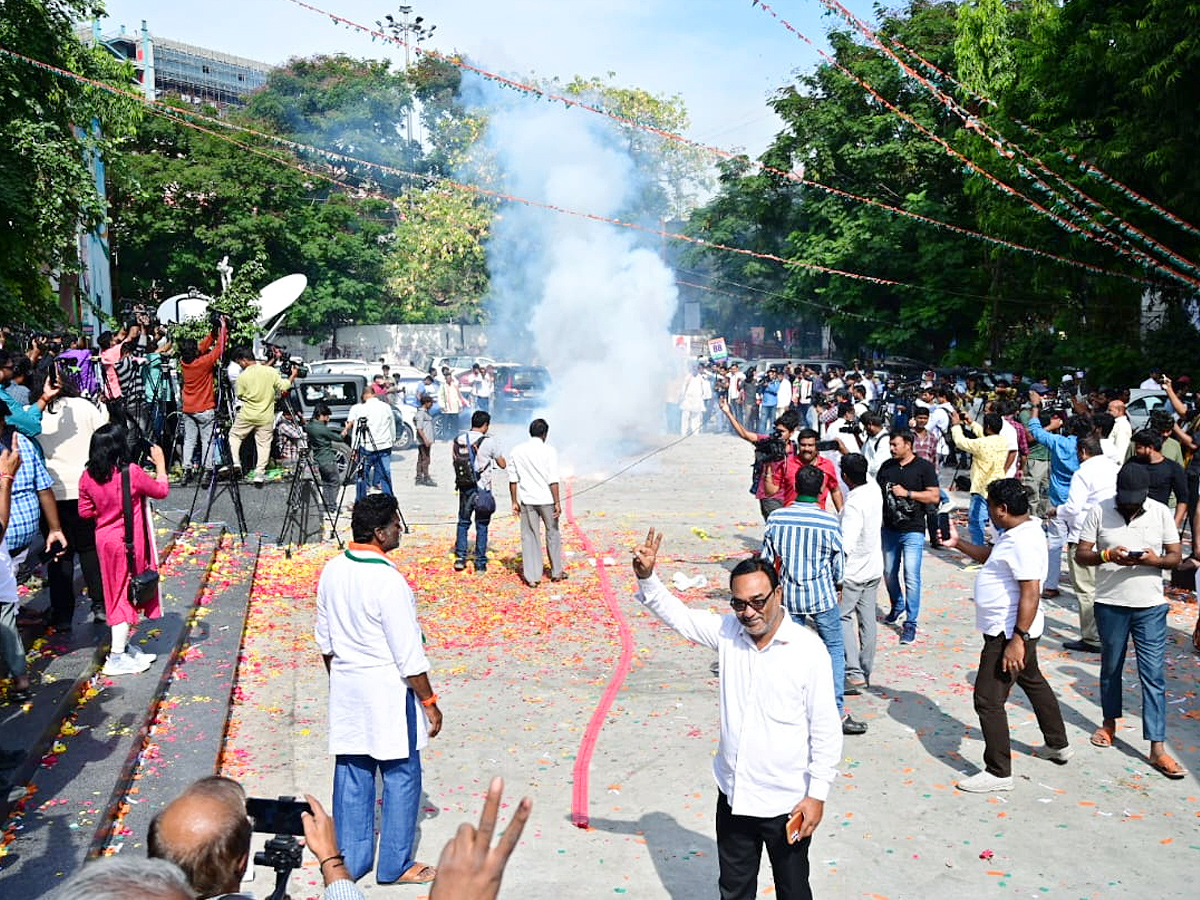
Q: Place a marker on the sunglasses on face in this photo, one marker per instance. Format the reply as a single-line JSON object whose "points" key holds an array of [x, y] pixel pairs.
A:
{"points": [[756, 605]]}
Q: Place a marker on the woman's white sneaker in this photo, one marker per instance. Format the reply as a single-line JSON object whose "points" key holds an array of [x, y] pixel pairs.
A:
{"points": [[124, 664], [139, 654]]}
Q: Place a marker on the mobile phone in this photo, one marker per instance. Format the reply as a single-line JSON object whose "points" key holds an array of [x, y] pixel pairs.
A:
{"points": [[943, 526], [55, 550], [1135, 554], [279, 816], [794, 822]]}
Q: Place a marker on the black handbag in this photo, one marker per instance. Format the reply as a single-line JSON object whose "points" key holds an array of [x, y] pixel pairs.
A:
{"points": [[143, 586]]}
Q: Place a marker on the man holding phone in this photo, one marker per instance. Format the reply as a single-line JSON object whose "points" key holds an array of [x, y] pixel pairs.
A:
{"points": [[780, 736], [1132, 538]]}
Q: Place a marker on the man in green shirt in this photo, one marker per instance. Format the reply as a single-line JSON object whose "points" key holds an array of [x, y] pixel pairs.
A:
{"points": [[1037, 472], [257, 388], [321, 437]]}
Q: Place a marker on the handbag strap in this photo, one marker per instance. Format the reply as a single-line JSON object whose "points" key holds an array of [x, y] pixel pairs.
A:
{"points": [[127, 508]]}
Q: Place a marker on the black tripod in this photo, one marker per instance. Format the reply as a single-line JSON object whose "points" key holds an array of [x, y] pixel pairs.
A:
{"points": [[358, 449], [305, 477], [218, 446]]}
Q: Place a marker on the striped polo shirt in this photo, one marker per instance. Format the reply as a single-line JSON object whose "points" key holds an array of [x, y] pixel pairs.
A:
{"points": [[808, 542]]}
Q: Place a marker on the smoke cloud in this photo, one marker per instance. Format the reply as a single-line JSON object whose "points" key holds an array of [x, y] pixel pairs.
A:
{"points": [[590, 301]]}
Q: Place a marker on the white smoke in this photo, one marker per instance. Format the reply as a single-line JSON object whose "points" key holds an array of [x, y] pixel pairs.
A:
{"points": [[588, 300]]}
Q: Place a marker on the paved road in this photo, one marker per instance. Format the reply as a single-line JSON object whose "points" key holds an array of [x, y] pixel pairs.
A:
{"points": [[520, 673]]}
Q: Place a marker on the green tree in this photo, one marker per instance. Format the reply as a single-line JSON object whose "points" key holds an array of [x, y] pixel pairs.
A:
{"points": [[47, 126]]}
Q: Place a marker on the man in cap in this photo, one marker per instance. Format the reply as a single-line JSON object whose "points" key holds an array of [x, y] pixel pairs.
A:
{"points": [[1132, 538]]}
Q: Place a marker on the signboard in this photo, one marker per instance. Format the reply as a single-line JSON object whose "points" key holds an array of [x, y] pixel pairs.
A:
{"points": [[717, 349]]}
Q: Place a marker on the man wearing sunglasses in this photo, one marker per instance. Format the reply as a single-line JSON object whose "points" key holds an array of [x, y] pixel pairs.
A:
{"points": [[780, 735]]}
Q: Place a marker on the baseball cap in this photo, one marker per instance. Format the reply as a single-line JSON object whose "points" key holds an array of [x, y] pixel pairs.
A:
{"points": [[1133, 484], [1040, 389]]}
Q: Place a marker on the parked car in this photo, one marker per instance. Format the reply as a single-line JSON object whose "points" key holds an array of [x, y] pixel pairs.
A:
{"points": [[343, 367], [520, 391], [458, 364], [341, 392], [1143, 402]]}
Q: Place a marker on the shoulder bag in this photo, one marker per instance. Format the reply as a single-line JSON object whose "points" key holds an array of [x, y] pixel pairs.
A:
{"points": [[143, 586]]}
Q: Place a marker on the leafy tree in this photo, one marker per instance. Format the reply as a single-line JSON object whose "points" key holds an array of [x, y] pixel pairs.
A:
{"points": [[48, 125]]}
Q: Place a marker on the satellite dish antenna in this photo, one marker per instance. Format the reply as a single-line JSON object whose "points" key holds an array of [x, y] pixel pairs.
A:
{"points": [[275, 299], [192, 305]]}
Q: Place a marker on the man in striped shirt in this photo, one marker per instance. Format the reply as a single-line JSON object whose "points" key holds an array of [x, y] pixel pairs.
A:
{"points": [[805, 543]]}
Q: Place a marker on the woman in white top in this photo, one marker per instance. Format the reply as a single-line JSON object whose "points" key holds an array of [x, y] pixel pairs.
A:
{"points": [[67, 427]]}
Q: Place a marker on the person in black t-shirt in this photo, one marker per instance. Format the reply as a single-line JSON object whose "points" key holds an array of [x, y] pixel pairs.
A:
{"points": [[1166, 476], [908, 483]]}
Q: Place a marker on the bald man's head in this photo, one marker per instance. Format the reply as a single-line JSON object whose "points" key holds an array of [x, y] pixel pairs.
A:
{"points": [[1116, 408], [206, 833]]}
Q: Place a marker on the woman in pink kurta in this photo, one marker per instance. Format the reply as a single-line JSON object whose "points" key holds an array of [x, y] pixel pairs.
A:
{"points": [[100, 499]]}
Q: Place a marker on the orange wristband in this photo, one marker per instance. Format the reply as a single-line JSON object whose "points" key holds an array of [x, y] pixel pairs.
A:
{"points": [[430, 700]]}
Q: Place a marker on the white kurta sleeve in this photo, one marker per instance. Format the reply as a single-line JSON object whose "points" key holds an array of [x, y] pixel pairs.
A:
{"points": [[398, 617], [698, 626]]}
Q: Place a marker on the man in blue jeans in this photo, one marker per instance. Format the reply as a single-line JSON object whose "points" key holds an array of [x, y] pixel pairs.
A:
{"points": [[483, 457], [908, 483], [1132, 538], [805, 543], [373, 430]]}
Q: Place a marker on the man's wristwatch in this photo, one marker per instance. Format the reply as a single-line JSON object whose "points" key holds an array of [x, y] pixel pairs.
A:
{"points": [[1024, 635]]}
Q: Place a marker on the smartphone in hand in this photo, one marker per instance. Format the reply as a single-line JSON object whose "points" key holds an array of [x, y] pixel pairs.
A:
{"points": [[794, 824]]}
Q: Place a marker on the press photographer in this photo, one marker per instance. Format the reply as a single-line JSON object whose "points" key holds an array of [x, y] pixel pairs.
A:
{"points": [[775, 459]]}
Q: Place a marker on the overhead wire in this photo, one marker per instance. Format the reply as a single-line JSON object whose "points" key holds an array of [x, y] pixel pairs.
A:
{"points": [[577, 103]]}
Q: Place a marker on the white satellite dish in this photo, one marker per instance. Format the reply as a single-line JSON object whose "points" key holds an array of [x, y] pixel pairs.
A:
{"points": [[276, 297], [175, 309]]}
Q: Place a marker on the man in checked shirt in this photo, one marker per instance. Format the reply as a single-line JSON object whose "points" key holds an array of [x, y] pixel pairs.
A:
{"points": [[805, 543]]}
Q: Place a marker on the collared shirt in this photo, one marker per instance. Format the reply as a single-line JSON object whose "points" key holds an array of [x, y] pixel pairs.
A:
{"points": [[67, 428], [1106, 528], [367, 621], [877, 450], [257, 387], [781, 736], [988, 454], [862, 519], [1019, 554], [381, 425], [808, 541], [533, 467], [25, 509], [1121, 435], [925, 446], [1063, 459], [1093, 481], [487, 452]]}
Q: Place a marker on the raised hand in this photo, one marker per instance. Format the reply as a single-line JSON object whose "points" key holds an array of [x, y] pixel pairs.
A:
{"points": [[470, 868], [645, 555]]}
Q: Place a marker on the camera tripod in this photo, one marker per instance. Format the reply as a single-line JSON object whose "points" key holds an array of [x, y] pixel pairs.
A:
{"points": [[355, 470], [218, 449], [305, 477], [282, 853]]}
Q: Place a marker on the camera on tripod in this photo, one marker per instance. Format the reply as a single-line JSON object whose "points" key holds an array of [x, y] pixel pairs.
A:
{"points": [[283, 853]]}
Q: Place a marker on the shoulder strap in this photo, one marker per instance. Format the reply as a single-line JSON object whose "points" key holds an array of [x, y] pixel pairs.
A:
{"points": [[127, 508]]}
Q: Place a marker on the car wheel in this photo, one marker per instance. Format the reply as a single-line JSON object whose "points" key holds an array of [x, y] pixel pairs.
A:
{"points": [[344, 457], [404, 437]]}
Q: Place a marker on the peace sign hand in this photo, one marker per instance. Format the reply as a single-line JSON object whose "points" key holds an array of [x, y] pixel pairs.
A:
{"points": [[645, 555]]}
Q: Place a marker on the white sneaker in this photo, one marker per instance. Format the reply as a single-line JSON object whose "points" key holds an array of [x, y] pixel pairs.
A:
{"points": [[1060, 756], [985, 782], [139, 654], [124, 664]]}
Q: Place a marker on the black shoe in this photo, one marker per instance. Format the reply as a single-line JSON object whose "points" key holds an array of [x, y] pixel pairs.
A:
{"points": [[460, 565], [851, 690], [894, 616], [1081, 646], [481, 568], [429, 482], [853, 726]]}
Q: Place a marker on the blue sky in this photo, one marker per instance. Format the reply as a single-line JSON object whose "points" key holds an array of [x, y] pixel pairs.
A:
{"points": [[723, 57]]}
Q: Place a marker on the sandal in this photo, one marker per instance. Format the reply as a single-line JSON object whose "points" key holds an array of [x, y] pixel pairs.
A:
{"points": [[1167, 765], [418, 873], [1102, 737]]}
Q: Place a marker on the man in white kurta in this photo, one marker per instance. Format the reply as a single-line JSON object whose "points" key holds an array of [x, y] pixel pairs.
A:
{"points": [[533, 484], [368, 634]]}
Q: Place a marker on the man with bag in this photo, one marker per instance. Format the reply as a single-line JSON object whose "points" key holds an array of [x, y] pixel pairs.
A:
{"points": [[473, 454]]}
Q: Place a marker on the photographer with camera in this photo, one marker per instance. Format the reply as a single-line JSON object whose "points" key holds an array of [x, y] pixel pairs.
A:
{"points": [[1064, 461], [775, 459], [257, 387], [197, 364]]}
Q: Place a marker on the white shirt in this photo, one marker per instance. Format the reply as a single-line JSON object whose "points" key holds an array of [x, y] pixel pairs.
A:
{"points": [[862, 519], [735, 385], [781, 738], [1121, 435], [1014, 446], [367, 620], [1093, 481], [533, 467], [877, 450], [939, 421], [785, 394], [1149, 385], [804, 388], [691, 398], [1019, 554], [67, 428], [1105, 527], [380, 423]]}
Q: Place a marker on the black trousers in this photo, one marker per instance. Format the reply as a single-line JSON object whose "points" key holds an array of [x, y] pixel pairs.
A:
{"points": [[740, 841], [81, 540], [992, 687]]}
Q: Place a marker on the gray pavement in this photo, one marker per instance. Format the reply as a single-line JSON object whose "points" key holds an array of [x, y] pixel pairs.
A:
{"points": [[521, 671]]}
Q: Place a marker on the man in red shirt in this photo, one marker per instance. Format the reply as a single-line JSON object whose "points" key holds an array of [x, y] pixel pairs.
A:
{"points": [[196, 364], [808, 456]]}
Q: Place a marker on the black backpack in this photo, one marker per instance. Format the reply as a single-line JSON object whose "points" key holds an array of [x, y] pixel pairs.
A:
{"points": [[462, 457]]}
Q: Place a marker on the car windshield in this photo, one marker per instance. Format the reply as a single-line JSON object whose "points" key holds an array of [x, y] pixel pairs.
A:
{"points": [[528, 380]]}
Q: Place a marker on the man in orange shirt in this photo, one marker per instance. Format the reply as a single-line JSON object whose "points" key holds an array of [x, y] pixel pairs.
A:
{"points": [[196, 363]]}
